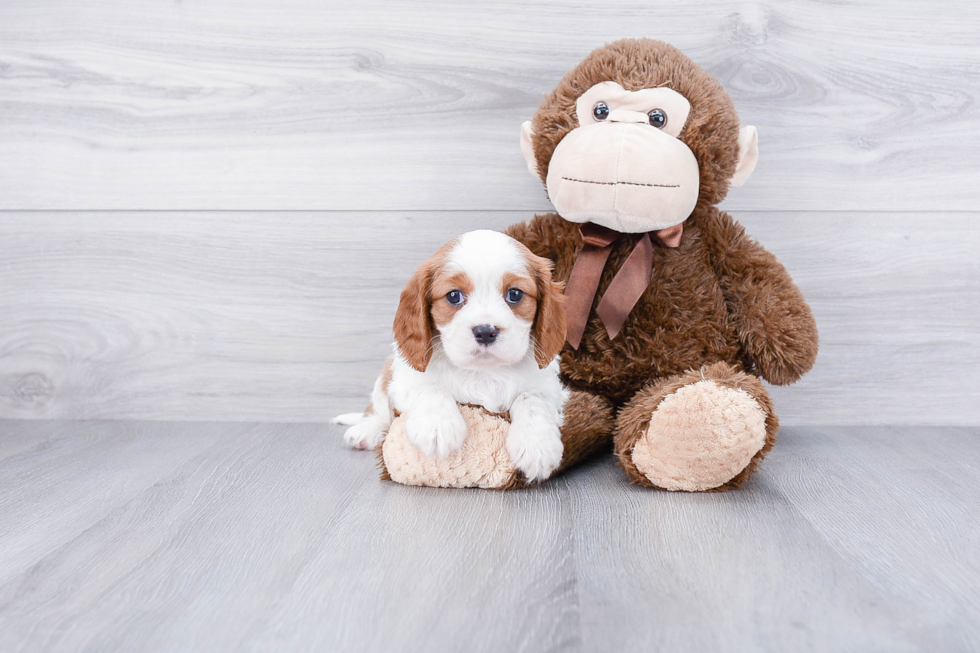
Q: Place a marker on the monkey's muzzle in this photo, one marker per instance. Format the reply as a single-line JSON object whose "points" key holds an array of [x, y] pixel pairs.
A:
{"points": [[626, 176]]}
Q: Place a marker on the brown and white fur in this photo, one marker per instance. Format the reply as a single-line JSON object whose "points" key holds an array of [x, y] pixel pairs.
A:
{"points": [[476, 347]]}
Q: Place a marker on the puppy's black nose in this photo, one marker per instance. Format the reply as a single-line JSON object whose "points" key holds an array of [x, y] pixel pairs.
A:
{"points": [[485, 333]]}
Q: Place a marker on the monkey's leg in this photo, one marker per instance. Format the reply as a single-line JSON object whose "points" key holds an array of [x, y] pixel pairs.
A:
{"points": [[703, 430], [483, 461], [587, 429]]}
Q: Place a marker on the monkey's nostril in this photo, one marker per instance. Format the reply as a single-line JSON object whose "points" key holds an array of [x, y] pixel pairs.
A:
{"points": [[485, 334]]}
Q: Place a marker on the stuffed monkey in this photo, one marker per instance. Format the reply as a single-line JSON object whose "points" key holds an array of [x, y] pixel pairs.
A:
{"points": [[674, 313]]}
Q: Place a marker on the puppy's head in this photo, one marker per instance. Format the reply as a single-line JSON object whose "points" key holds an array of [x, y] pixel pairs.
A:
{"points": [[486, 300]]}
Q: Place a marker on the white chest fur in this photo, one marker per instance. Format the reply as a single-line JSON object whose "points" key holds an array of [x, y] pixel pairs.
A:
{"points": [[494, 388]]}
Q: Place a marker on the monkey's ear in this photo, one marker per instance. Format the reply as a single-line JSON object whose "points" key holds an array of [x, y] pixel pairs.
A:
{"points": [[748, 155], [527, 147]]}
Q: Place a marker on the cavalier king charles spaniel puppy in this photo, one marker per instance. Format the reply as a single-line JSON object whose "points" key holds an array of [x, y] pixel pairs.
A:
{"points": [[480, 323]]}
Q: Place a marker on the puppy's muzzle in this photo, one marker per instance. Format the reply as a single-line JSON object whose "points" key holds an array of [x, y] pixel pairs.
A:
{"points": [[485, 334]]}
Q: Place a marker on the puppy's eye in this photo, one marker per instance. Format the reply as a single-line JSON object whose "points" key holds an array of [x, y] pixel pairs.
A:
{"points": [[514, 296], [658, 118], [454, 297], [600, 111]]}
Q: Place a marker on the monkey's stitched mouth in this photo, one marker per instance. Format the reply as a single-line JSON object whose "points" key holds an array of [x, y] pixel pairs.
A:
{"points": [[620, 183]]}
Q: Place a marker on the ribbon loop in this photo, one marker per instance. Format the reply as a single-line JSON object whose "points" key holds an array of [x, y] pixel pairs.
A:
{"points": [[582, 285], [597, 235], [627, 287]]}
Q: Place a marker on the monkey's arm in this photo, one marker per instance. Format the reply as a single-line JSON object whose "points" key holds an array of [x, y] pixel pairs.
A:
{"points": [[773, 321]]}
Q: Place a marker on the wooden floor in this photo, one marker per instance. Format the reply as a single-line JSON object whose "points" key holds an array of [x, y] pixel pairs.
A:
{"points": [[122, 536]]}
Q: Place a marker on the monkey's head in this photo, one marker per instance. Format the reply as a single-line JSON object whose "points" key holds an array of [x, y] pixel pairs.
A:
{"points": [[637, 136]]}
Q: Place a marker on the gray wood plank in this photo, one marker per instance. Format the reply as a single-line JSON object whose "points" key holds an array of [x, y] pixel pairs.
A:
{"points": [[104, 468], [398, 106], [273, 536], [437, 570], [901, 508], [704, 572], [849, 539], [273, 316], [278, 537], [19, 437]]}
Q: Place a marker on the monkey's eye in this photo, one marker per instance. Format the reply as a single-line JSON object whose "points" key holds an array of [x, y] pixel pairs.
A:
{"points": [[454, 297], [600, 111], [514, 296], [658, 118]]}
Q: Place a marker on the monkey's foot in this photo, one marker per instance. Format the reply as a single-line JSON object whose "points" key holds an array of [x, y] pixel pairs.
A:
{"points": [[702, 430], [481, 462]]}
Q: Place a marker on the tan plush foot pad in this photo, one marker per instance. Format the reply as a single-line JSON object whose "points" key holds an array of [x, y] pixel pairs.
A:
{"points": [[700, 437], [481, 462]]}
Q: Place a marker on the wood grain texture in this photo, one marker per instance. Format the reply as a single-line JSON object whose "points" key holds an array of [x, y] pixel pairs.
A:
{"points": [[417, 105], [271, 316], [928, 479], [205, 536], [266, 537], [874, 517]]}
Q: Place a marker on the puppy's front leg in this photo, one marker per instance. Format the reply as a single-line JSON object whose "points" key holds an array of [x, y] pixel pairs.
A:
{"points": [[534, 439], [434, 424]]}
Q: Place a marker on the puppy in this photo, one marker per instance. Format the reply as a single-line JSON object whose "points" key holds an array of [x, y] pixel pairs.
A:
{"points": [[482, 323]]}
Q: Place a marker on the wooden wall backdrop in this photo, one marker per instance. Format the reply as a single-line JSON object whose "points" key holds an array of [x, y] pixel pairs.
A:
{"points": [[207, 209]]}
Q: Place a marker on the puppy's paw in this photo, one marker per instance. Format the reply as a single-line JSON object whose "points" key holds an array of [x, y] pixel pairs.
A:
{"points": [[535, 448], [437, 432], [365, 435]]}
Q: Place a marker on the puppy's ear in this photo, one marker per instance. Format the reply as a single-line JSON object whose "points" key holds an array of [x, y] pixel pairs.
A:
{"points": [[413, 323], [549, 322]]}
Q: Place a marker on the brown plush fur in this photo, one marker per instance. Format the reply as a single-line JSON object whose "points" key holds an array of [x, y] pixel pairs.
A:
{"points": [[718, 298], [589, 419]]}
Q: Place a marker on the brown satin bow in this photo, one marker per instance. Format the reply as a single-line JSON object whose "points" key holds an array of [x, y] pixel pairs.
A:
{"points": [[627, 286]]}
